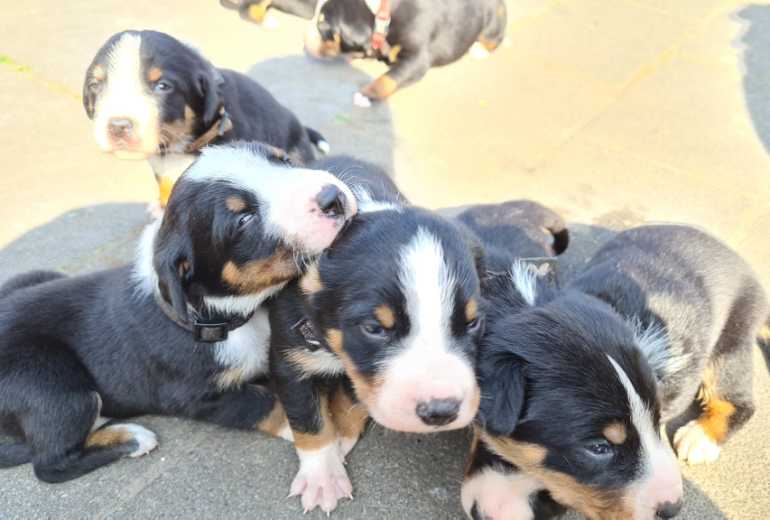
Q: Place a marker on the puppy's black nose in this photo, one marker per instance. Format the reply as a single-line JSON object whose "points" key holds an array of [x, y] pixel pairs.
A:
{"points": [[331, 200], [120, 127], [669, 509], [438, 412]]}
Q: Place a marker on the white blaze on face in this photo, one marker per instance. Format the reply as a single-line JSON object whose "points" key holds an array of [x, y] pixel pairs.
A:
{"points": [[125, 96], [661, 481], [287, 196], [426, 368]]}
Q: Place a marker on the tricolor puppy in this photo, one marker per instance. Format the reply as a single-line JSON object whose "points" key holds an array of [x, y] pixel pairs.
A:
{"points": [[256, 10], [182, 332], [411, 36], [152, 97], [385, 325], [577, 382]]}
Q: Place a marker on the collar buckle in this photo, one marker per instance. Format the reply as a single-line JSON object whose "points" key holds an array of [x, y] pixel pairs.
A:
{"points": [[210, 332]]}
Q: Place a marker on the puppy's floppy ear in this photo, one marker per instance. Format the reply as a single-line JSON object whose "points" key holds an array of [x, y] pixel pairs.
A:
{"points": [[502, 390], [173, 263], [208, 83]]}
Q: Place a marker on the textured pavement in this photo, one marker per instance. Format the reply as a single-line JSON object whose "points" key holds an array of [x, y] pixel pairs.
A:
{"points": [[613, 113]]}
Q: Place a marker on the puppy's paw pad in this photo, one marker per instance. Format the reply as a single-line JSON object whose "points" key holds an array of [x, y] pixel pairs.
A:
{"points": [[361, 100], [145, 439], [694, 446]]}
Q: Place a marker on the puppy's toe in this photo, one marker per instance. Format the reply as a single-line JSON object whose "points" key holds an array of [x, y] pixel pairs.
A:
{"points": [[321, 480], [478, 51], [360, 100], [694, 445], [145, 439]]}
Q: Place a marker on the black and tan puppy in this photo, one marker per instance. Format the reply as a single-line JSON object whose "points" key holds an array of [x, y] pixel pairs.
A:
{"points": [[578, 381], [152, 97], [411, 36], [182, 332], [385, 325]]}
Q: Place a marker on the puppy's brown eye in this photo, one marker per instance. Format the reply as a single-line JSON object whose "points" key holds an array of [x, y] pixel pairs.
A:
{"points": [[244, 219], [163, 87], [374, 330], [473, 326]]}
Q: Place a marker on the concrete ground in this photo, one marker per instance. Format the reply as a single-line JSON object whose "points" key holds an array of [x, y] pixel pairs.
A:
{"points": [[613, 113]]}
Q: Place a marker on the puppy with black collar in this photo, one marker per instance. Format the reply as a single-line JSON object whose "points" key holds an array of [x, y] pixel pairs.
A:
{"points": [[182, 332], [152, 97], [410, 36], [579, 381]]}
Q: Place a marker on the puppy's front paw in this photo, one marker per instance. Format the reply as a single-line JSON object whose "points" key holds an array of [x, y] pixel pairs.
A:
{"points": [[694, 445], [321, 480], [493, 495]]}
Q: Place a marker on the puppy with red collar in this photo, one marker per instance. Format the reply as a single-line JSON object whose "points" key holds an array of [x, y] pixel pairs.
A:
{"points": [[152, 97], [579, 380], [182, 332], [410, 36]]}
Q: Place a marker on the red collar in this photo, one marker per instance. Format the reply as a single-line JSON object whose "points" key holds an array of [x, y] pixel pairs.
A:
{"points": [[381, 26]]}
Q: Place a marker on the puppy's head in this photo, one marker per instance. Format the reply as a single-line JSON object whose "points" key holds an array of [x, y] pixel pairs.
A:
{"points": [[397, 299], [342, 27], [146, 92], [569, 398], [238, 227]]}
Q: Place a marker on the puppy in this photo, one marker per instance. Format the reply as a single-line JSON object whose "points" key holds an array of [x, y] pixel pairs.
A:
{"points": [[256, 10], [411, 36], [385, 324], [152, 97], [577, 382], [182, 332]]}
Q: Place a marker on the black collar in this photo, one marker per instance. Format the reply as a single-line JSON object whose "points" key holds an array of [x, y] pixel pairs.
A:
{"points": [[208, 330], [307, 331]]}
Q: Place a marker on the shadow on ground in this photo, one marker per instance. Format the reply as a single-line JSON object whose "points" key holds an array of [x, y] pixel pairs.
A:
{"points": [[80, 240], [756, 67], [326, 103]]}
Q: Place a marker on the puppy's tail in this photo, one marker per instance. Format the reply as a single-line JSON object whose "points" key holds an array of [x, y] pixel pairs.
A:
{"points": [[28, 280], [318, 140], [14, 454]]}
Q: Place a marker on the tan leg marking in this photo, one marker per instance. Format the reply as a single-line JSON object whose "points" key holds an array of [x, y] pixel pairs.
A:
{"points": [[275, 422], [325, 436], [381, 88], [349, 417], [258, 11]]}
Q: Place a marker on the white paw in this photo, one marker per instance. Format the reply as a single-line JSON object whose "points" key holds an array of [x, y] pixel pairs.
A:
{"points": [[146, 440], [321, 480], [694, 446], [478, 51], [499, 496], [362, 101]]}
